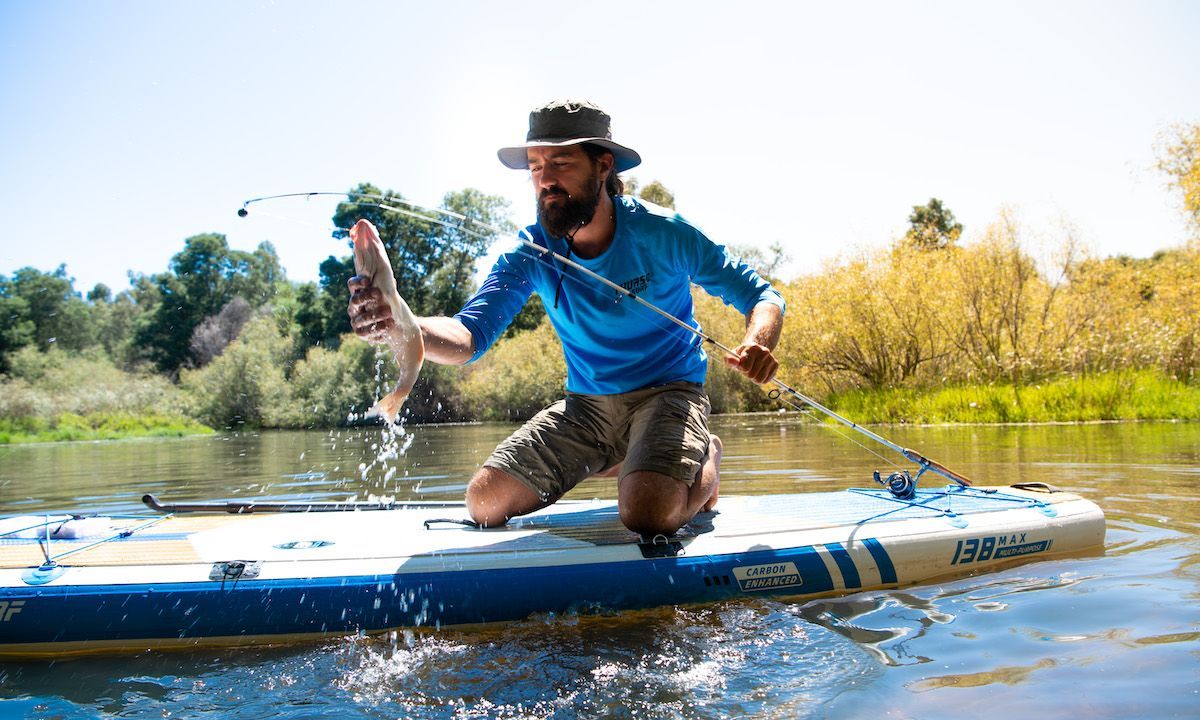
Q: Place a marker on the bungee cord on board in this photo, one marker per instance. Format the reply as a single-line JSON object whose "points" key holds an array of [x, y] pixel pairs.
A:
{"points": [[899, 483]]}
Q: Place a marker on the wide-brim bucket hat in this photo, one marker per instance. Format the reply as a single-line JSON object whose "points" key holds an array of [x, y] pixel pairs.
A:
{"points": [[569, 122]]}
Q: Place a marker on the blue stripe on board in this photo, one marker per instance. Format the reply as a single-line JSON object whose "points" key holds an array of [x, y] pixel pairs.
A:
{"points": [[70, 613], [845, 563], [70, 543], [887, 571]]}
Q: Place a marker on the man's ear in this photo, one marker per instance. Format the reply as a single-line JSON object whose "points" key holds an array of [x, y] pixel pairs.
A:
{"points": [[605, 164]]}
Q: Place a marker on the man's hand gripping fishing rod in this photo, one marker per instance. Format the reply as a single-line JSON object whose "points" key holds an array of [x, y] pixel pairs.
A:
{"points": [[734, 357]]}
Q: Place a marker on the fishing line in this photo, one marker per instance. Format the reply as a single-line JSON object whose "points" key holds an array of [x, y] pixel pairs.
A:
{"points": [[580, 283], [458, 221], [779, 397]]}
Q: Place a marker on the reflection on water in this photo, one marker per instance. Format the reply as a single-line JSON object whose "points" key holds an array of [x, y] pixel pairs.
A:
{"points": [[1112, 635]]}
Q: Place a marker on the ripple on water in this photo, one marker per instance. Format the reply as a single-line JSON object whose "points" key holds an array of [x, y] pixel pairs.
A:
{"points": [[737, 659]]}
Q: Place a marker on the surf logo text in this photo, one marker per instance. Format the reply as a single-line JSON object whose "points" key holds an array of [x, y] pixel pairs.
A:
{"points": [[8, 608]]}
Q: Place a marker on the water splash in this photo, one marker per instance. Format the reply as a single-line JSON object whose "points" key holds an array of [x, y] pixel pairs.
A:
{"points": [[737, 659], [390, 444]]}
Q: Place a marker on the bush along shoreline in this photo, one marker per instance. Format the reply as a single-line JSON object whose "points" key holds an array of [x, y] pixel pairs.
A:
{"points": [[1115, 396], [985, 332], [69, 427]]}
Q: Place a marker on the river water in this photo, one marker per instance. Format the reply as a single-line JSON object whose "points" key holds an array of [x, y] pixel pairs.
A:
{"points": [[1109, 635]]}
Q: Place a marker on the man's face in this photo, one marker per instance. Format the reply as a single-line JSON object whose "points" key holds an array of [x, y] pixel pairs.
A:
{"points": [[568, 184]]}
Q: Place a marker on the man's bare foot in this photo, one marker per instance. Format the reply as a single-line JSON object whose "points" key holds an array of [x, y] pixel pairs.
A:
{"points": [[713, 465]]}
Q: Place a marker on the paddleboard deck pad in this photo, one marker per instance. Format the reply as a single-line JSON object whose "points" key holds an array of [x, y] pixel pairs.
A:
{"points": [[73, 585]]}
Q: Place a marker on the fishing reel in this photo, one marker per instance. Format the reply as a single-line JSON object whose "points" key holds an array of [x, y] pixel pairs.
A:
{"points": [[900, 484]]}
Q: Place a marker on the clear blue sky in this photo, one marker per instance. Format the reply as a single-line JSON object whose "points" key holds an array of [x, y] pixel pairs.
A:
{"points": [[128, 126]]}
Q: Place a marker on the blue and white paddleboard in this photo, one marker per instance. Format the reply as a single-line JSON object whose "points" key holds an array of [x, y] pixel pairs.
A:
{"points": [[107, 584]]}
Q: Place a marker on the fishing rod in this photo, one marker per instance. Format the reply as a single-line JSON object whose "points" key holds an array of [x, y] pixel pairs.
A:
{"points": [[900, 483]]}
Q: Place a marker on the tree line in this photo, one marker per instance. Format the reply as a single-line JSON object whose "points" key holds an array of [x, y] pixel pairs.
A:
{"points": [[222, 337]]}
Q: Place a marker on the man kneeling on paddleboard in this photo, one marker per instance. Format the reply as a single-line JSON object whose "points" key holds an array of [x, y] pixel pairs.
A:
{"points": [[635, 402]]}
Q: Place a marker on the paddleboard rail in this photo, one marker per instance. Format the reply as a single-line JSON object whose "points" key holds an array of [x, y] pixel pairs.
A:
{"points": [[243, 507]]}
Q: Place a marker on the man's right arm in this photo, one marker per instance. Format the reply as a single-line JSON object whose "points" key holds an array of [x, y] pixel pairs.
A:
{"points": [[447, 341]]}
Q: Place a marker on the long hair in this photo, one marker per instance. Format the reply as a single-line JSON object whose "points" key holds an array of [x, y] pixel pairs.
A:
{"points": [[613, 184]]}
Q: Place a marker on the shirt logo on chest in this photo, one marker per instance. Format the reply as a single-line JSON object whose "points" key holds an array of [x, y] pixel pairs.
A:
{"points": [[638, 284]]}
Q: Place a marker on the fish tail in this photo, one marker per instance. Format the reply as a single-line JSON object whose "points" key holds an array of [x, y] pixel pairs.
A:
{"points": [[388, 406]]}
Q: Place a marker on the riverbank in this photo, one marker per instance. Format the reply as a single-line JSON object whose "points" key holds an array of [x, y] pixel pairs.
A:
{"points": [[1112, 396], [1116, 396], [66, 427]]}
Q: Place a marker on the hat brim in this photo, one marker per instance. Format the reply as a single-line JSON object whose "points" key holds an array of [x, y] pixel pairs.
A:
{"points": [[516, 158]]}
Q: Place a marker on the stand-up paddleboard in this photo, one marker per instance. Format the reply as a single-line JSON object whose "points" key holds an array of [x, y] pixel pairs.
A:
{"points": [[71, 585]]}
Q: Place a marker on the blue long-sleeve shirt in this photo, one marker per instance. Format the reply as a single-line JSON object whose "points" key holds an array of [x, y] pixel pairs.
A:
{"points": [[611, 343]]}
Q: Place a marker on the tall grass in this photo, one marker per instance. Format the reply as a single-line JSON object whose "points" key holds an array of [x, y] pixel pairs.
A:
{"points": [[97, 426], [50, 396], [1119, 395], [991, 312]]}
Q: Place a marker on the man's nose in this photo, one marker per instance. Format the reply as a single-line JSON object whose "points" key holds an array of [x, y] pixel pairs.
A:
{"points": [[544, 178]]}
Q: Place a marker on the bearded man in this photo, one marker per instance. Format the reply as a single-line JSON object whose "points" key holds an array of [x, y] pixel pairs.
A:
{"points": [[635, 404]]}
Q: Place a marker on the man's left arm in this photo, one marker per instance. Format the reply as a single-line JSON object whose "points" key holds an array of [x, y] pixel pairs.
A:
{"points": [[755, 358]]}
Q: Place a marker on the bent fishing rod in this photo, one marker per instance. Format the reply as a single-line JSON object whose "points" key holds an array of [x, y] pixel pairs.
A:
{"points": [[898, 483]]}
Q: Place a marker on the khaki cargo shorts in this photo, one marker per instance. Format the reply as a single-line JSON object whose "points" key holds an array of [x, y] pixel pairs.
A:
{"points": [[663, 429]]}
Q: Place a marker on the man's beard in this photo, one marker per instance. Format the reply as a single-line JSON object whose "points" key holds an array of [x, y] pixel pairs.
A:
{"points": [[574, 211]]}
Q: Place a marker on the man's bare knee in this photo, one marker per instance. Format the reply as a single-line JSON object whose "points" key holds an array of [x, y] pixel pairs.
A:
{"points": [[648, 524], [494, 496], [485, 498], [652, 504]]}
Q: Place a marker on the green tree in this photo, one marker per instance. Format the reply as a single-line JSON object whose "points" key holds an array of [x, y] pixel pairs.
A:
{"points": [[163, 337], [47, 384], [16, 329], [529, 318], [654, 192], [932, 226], [452, 282], [211, 274], [101, 293], [58, 314], [320, 315], [434, 263], [309, 318], [115, 319], [203, 277], [327, 386], [658, 194]]}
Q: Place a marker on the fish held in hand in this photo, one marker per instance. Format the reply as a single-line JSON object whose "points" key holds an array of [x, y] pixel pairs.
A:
{"points": [[404, 338]]}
